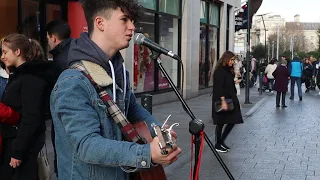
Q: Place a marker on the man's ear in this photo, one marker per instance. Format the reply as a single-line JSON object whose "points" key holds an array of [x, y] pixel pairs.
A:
{"points": [[54, 38], [99, 22]]}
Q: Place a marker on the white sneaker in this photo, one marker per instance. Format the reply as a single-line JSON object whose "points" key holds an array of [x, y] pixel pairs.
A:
{"points": [[319, 92]]}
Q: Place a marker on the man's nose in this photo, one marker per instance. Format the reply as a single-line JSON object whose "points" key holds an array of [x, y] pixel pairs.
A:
{"points": [[131, 26]]}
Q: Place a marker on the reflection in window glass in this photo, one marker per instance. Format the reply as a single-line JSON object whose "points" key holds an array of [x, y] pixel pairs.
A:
{"points": [[143, 64], [169, 28], [213, 53], [30, 25], [169, 6], [149, 4], [203, 12], [202, 56], [214, 14]]}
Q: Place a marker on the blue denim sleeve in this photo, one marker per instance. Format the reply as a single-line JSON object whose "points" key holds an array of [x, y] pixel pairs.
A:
{"points": [[71, 101], [136, 113]]}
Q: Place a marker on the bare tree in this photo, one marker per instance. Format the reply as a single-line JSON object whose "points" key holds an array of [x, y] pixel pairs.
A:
{"points": [[291, 30]]}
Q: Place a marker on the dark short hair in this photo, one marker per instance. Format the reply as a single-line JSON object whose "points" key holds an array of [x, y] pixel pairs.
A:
{"points": [[272, 61], [92, 8], [59, 28]]}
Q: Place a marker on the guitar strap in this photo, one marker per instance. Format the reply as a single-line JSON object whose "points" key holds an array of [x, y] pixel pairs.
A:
{"points": [[113, 110]]}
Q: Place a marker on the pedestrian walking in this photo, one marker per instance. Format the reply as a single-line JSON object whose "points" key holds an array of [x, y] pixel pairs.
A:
{"points": [[254, 70], [307, 74], [281, 75], [271, 67], [225, 94], [296, 68], [237, 72]]}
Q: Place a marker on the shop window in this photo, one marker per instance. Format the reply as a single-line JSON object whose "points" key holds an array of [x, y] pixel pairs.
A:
{"points": [[163, 27], [202, 56], [228, 27], [213, 52], [144, 66], [169, 38], [209, 35], [149, 4], [203, 12], [30, 24], [170, 6], [214, 14]]}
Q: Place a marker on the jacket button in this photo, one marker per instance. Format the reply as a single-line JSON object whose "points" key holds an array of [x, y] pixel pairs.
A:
{"points": [[143, 163]]}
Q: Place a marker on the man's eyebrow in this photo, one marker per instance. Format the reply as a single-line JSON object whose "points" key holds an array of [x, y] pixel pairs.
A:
{"points": [[126, 16]]}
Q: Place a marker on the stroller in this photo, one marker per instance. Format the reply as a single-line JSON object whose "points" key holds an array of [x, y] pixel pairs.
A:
{"points": [[265, 84]]}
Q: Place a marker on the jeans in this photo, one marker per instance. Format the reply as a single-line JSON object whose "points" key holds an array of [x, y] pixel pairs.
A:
{"points": [[308, 82], [293, 81], [3, 83], [271, 84]]}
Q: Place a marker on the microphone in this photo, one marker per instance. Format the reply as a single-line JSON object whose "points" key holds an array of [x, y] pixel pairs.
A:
{"points": [[140, 39]]}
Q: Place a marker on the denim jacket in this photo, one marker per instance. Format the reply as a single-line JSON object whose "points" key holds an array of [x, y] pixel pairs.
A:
{"points": [[89, 144]]}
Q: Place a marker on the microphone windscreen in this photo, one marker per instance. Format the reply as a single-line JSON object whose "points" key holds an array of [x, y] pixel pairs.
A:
{"points": [[138, 38]]}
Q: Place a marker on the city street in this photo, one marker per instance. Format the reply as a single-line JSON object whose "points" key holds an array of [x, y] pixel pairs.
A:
{"points": [[272, 144], [201, 107], [279, 144]]}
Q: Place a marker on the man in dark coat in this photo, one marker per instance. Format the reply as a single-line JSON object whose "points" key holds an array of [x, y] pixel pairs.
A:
{"points": [[58, 35]]}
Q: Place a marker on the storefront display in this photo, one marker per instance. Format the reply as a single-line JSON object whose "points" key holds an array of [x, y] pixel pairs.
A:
{"points": [[208, 42], [163, 29]]}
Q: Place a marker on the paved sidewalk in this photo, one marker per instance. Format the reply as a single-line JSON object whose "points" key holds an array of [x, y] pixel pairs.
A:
{"points": [[272, 144], [201, 107]]}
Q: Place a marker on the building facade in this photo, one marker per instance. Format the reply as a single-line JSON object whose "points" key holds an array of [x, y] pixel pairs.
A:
{"points": [[309, 30], [199, 31], [272, 22]]}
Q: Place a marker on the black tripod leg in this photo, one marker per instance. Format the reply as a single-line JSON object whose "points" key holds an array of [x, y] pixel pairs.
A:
{"points": [[225, 168], [197, 143]]}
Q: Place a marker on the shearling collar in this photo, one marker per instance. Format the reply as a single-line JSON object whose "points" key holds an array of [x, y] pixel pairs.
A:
{"points": [[98, 74]]}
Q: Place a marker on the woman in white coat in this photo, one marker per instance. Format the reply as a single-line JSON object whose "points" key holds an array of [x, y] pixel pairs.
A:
{"points": [[269, 70]]}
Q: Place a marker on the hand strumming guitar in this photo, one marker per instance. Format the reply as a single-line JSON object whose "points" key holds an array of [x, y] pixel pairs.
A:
{"points": [[158, 158]]}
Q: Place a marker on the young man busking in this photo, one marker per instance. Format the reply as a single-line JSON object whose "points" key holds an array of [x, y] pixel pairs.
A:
{"points": [[87, 138]]}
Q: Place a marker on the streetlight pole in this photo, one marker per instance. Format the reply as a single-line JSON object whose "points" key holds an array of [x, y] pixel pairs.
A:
{"points": [[272, 53], [248, 55], [278, 41], [265, 38], [265, 33]]}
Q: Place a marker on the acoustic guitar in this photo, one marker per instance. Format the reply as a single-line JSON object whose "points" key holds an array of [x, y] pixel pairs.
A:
{"points": [[154, 173]]}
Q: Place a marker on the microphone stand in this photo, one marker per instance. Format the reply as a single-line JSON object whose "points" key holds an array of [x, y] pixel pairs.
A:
{"points": [[196, 126]]}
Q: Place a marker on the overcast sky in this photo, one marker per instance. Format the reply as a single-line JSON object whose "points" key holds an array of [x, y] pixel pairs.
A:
{"points": [[309, 10]]}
